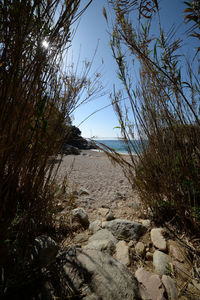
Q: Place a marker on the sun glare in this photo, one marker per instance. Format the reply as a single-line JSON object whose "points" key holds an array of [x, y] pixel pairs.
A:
{"points": [[45, 44]]}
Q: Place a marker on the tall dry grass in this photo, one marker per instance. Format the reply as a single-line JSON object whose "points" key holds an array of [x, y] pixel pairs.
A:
{"points": [[38, 93], [162, 111], [37, 97]]}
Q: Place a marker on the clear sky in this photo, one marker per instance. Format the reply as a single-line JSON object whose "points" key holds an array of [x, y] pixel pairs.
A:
{"points": [[93, 29]]}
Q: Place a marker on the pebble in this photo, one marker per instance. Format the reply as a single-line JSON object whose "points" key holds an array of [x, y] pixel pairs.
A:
{"points": [[170, 287], [140, 249], [158, 239], [122, 253], [161, 263], [150, 285], [110, 216]]}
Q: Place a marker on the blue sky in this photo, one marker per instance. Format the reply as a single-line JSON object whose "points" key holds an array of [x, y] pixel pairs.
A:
{"points": [[92, 30]]}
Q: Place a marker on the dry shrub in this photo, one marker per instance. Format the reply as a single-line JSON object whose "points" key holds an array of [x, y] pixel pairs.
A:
{"points": [[37, 97], [161, 110]]}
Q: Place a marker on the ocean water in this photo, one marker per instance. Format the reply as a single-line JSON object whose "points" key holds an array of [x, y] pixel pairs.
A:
{"points": [[120, 146]]}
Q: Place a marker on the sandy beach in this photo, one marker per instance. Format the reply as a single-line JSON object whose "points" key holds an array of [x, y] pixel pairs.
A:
{"points": [[105, 183]]}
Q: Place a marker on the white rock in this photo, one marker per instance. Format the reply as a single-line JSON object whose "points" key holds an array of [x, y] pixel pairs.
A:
{"points": [[170, 287], [94, 226], [146, 223], [102, 240], [158, 239], [122, 253], [161, 263], [140, 249], [151, 287]]}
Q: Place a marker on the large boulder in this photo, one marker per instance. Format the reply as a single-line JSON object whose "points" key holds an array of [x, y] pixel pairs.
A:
{"points": [[96, 275], [124, 229], [69, 149]]}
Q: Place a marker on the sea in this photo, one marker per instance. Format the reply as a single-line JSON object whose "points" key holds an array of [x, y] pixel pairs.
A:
{"points": [[120, 146]]}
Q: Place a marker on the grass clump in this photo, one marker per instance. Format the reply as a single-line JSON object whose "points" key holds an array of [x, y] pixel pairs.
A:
{"points": [[37, 97], [160, 110]]}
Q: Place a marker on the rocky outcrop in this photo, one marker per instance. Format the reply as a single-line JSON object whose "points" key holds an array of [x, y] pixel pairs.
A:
{"points": [[74, 142]]}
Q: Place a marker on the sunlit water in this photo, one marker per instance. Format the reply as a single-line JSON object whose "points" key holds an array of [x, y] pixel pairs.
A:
{"points": [[120, 146]]}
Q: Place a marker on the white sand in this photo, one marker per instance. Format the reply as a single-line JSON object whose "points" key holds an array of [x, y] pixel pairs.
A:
{"points": [[104, 181]]}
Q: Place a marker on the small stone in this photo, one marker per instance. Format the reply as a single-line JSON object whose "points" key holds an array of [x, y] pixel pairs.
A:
{"points": [[103, 211], [149, 256], [82, 216], [170, 287], [151, 287], [146, 223], [110, 216], [105, 206], [94, 226], [119, 195], [158, 240], [80, 238], [161, 263], [134, 205], [131, 244], [122, 253], [83, 192], [140, 249]]}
